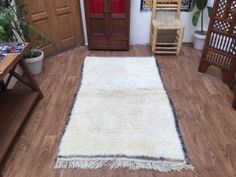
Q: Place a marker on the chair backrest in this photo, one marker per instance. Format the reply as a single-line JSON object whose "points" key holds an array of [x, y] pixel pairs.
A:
{"points": [[173, 6]]}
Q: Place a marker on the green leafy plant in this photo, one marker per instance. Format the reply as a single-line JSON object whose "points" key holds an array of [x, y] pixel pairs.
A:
{"points": [[7, 22], [2, 31], [14, 25], [201, 6]]}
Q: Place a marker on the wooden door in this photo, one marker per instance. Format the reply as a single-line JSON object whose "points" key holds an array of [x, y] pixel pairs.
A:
{"points": [[59, 20], [96, 20], [119, 23]]}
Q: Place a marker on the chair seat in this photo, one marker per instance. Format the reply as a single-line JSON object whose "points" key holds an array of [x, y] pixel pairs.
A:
{"points": [[167, 24]]}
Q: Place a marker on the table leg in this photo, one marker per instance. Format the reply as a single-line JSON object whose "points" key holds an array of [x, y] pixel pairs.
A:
{"points": [[2, 87], [29, 76]]}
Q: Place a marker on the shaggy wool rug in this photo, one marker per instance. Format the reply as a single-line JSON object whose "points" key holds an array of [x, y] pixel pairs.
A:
{"points": [[122, 117]]}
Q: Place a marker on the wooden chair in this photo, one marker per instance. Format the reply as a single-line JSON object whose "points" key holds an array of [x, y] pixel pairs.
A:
{"points": [[166, 30], [220, 45]]}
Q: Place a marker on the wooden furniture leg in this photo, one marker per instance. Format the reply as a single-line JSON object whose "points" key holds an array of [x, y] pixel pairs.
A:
{"points": [[228, 77], [181, 36], [10, 76], [2, 86], [154, 41], [203, 66], [29, 76]]}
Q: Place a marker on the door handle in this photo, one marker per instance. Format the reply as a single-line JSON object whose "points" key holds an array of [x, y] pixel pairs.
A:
{"points": [[109, 11], [108, 8], [105, 7]]}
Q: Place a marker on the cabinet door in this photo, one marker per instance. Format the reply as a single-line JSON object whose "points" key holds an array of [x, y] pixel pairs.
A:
{"points": [[107, 24], [119, 18], [96, 18]]}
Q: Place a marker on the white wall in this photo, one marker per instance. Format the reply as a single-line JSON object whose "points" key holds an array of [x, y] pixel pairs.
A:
{"points": [[140, 23]]}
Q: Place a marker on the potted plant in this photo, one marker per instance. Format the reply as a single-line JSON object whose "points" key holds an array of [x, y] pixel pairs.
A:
{"points": [[200, 35], [14, 27], [34, 58]]}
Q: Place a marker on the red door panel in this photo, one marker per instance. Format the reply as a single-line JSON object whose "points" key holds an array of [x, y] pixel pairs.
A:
{"points": [[96, 6], [118, 6]]}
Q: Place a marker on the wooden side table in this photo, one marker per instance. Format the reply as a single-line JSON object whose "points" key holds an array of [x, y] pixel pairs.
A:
{"points": [[15, 104]]}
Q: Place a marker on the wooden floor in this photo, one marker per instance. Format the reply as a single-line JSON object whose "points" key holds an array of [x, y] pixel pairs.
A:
{"points": [[202, 102]]}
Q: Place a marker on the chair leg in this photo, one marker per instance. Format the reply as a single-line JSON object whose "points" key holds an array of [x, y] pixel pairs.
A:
{"points": [[203, 66], [180, 43], [228, 78], [154, 40], [151, 35]]}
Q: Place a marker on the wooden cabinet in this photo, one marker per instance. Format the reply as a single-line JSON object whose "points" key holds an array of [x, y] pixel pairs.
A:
{"points": [[108, 24]]}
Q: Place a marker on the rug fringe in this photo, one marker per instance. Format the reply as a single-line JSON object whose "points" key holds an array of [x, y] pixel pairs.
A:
{"points": [[132, 164]]}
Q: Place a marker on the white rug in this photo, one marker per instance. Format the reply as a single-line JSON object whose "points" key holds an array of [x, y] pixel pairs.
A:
{"points": [[122, 117]]}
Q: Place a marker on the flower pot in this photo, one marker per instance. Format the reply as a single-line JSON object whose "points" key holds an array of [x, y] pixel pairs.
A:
{"points": [[199, 41], [35, 64]]}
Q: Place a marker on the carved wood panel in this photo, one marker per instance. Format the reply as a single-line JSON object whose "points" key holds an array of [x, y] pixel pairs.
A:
{"points": [[220, 45]]}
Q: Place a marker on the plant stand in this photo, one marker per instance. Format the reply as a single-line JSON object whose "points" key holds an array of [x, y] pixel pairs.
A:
{"points": [[15, 104]]}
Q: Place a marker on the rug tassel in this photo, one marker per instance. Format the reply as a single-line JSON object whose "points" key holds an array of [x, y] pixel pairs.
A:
{"points": [[162, 166]]}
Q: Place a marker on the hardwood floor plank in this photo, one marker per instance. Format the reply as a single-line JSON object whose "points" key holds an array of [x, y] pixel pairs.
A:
{"points": [[202, 102]]}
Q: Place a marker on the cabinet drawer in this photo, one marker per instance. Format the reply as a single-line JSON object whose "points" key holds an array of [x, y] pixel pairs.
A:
{"points": [[98, 43], [118, 44], [108, 44]]}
